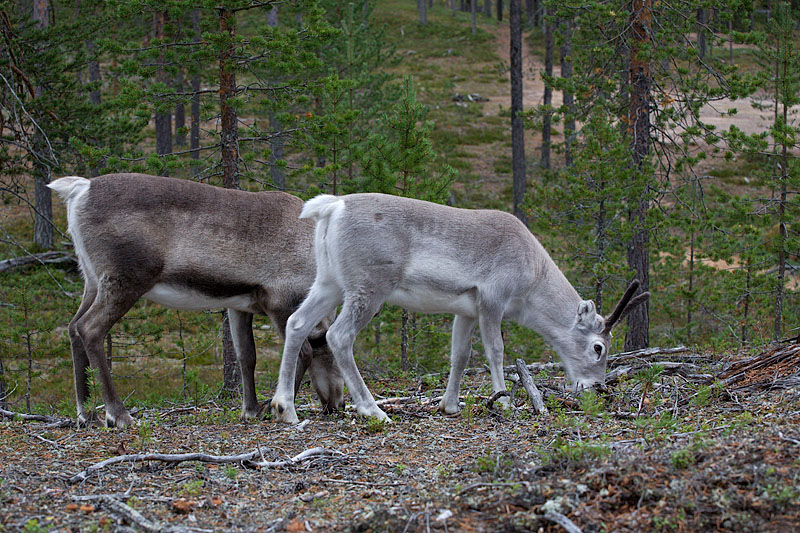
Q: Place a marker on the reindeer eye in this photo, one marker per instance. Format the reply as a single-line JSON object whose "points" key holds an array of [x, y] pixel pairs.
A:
{"points": [[598, 349]]}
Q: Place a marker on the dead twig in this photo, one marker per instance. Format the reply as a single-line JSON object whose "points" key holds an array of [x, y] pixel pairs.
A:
{"points": [[494, 397], [45, 258], [562, 521], [50, 420], [530, 387], [645, 352], [164, 457], [299, 458], [131, 515]]}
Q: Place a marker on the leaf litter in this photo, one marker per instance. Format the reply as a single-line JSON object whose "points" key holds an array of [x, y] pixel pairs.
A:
{"points": [[682, 441]]}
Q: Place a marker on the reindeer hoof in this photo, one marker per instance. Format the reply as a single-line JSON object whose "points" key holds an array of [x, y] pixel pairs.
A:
{"points": [[121, 421], [375, 411], [284, 412], [88, 420]]}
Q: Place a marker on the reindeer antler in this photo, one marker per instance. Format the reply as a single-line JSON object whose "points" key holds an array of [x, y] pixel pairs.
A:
{"points": [[627, 303]]}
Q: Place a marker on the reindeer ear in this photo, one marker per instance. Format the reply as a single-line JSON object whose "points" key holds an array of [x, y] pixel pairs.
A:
{"points": [[587, 313]]}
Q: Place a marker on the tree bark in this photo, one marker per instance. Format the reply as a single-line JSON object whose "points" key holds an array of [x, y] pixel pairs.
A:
{"points": [[701, 32], [530, 12], [782, 232], [487, 8], [423, 12], [499, 10], [638, 335], [230, 170], [3, 399], [194, 133], [474, 8], [276, 143], [569, 99], [548, 91], [163, 121], [180, 112], [43, 200], [517, 127]]}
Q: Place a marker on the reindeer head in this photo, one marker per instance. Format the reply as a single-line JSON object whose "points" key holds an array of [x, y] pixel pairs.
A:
{"points": [[590, 339]]}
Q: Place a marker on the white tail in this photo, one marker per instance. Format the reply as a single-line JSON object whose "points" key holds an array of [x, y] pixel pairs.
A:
{"points": [[321, 206], [69, 187]]}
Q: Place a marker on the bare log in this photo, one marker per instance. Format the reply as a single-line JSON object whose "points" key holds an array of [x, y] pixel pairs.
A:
{"points": [[45, 258], [530, 387], [562, 521]]}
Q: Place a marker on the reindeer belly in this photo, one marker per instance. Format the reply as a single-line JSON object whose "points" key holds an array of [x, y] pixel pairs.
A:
{"points": [[429, 300], [189, 299]]}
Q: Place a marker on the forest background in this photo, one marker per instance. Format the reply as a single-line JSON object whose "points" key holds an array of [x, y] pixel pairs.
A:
{"points": [[658, 143]]}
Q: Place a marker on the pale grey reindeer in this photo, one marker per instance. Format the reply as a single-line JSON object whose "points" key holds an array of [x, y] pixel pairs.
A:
{"points": [[481, 265], [190, 246]]}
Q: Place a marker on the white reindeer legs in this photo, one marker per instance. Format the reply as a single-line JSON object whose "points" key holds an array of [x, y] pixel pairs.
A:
{"points": [[461, 346], [319, 303], [492, 338], [356, 312]]}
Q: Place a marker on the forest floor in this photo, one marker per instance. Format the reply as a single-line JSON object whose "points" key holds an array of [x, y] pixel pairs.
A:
{"points": [[681, 442]]}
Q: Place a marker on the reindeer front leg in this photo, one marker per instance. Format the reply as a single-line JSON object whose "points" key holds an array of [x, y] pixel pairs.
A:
{"points": [[492, 337], [463, 327], [319, 304]]}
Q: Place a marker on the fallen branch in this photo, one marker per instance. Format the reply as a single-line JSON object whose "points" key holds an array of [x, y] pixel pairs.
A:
{"points": [[50, 420], [130, 515], [562, 521], [494, 397], [645, 352], [45, 258], [530, 387], [299, 458], [167, 458]]}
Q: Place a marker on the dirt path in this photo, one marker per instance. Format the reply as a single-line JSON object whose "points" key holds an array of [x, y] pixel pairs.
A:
{"points": [[747, 118]]}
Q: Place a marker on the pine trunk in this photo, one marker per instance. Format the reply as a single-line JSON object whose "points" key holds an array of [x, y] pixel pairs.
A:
{"points": [[548, 91], [194, 133], [499, 10], [638, 335], [163, 121], [517, 127], [230, 172], [474, 8], [180, 112], [43, 200], [569, 99]]}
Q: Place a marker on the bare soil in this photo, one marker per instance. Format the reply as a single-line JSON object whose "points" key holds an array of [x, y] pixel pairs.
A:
{"points": [[675, 456]]}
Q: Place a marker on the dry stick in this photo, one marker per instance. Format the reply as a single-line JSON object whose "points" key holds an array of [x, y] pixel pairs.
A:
{"points": [[494, 397], [246, 458], [562, 521], [300, 457], [129, 514], [646, 352], [50, 420], [530, 387]]}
